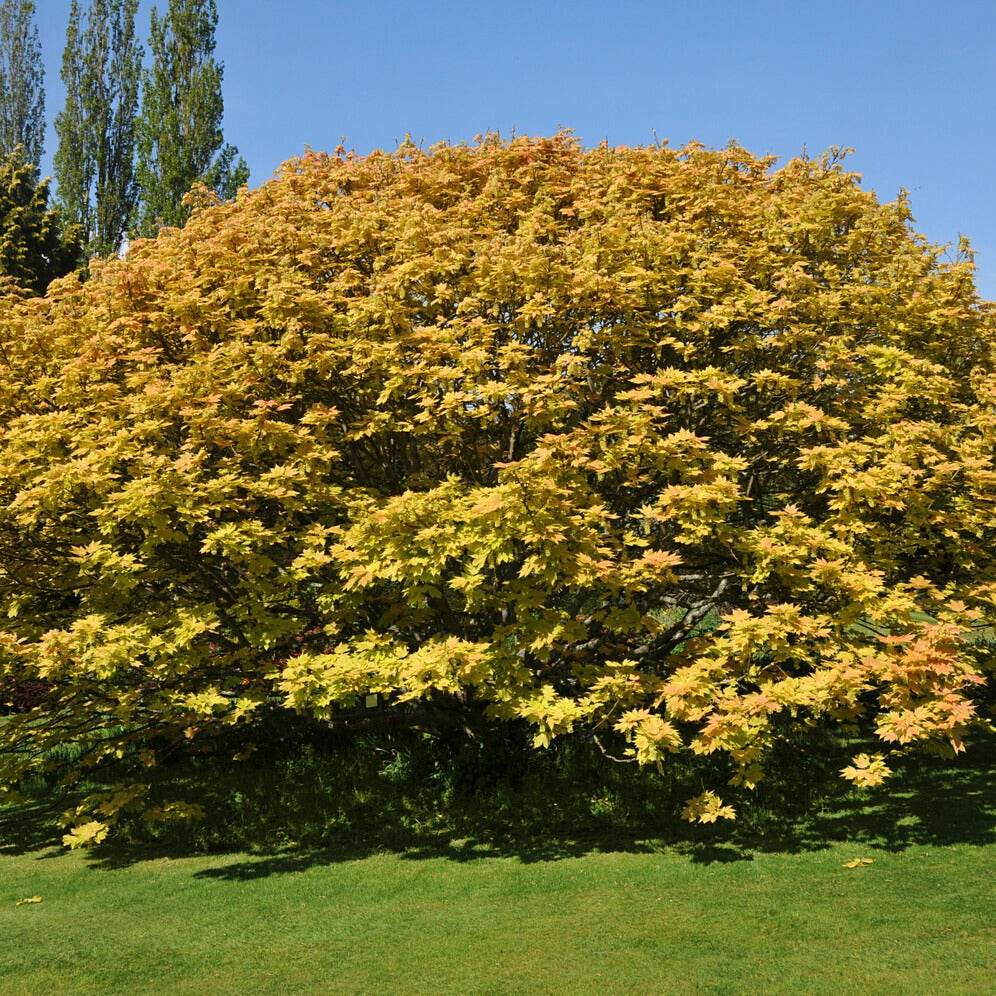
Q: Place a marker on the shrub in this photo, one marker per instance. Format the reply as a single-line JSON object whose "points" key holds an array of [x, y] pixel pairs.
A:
{"points": [[667, 445]]}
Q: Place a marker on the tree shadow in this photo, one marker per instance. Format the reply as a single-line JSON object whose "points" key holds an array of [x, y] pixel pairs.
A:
{"points": [[464, 850], [29, 827], [929, 802]]}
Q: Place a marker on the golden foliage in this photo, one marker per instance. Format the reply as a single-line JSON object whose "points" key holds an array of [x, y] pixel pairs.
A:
{"points": [[670, 442]]}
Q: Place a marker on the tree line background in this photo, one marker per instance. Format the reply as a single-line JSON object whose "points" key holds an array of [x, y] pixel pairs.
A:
{"points": [[140, 127]]}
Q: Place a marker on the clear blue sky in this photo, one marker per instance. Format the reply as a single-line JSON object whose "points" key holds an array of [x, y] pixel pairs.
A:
{"points": [[909, 84]]}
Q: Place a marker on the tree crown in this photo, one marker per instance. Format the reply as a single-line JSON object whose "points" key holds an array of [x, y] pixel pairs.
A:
{"points": [[671, 445], [180, 140], [35, 248]]}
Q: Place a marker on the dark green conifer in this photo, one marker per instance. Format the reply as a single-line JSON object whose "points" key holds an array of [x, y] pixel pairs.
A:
{"points": [[34, 247]]}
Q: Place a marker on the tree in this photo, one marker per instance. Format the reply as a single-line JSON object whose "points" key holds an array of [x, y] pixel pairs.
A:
{"points": [[22, 78], [180, 140], [34, 247], [95, 162], [666, 445]]}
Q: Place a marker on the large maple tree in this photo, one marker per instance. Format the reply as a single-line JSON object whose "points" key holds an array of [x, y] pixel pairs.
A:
{"points": [[672, 445]]}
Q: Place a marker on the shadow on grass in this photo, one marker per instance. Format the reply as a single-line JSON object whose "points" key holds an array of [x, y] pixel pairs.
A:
{"points": [[928, 802], [936, 805], [465, 850], [29, 827]]}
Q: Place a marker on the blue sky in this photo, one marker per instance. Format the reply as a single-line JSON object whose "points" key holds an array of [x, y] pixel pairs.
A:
{"points": [[909, 85]]}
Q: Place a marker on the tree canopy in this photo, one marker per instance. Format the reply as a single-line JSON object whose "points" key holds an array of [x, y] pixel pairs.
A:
{"points": [[675, 446]]}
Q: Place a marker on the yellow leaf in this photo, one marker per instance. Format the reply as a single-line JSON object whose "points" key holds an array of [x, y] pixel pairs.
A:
{"points": [[866, 770], [707, 808], [82, 836], [30, 899]]}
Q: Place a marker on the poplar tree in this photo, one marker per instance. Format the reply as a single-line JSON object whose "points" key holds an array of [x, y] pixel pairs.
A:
{"points": [[22, 78], [180, 140], [95, 162]]}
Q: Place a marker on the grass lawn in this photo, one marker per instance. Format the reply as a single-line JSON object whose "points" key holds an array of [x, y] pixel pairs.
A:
{"points": [[640, 920], [532, 903]]}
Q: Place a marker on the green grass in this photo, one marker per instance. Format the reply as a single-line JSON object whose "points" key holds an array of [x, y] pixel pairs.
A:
{"points": [[551, 903], [643, 921], [406, 864]]}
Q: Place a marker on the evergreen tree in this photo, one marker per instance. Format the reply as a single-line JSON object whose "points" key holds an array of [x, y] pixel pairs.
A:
{"points": [[22, 79], [95, 162], [180, 140], [34, 247]]}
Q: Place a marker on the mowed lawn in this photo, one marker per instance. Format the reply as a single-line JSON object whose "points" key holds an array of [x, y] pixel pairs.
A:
{"points": [[642, 920]]}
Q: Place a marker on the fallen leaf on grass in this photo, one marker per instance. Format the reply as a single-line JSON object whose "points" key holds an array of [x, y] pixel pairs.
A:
{"points": [[30, 899], [858, 861]]}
